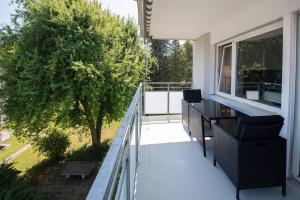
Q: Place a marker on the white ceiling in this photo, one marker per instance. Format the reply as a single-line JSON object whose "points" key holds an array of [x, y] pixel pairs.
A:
{"points": [[189, 19]]}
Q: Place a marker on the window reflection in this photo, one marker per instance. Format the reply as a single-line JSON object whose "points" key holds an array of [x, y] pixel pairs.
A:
{"points": [[259, 68], [225, 74]]}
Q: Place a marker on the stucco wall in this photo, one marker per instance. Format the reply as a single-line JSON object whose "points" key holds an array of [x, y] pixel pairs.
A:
{"points": [[204, 69], [201, 64]]}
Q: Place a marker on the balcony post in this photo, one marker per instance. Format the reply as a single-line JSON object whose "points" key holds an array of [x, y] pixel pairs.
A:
{"points": [[168, 99]]}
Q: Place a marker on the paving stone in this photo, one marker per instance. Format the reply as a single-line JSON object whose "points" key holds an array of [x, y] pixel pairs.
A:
{"points": [[57, 187]]}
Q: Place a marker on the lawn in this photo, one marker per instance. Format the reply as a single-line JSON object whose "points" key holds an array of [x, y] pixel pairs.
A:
{"points": [[14, 146], [80, 150], [27, 160], [35, 167], [109, 131]]}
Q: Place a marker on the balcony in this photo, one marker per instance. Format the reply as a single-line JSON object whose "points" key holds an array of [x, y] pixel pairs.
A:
{"points": [[153, 158], [172, 166]]}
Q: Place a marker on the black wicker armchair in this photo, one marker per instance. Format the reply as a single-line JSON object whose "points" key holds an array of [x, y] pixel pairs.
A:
{"points": [[251, 152], [189, 96]]}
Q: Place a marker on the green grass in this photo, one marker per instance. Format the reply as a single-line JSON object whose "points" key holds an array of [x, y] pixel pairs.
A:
{"points": [[14, 146], [27, 160], [109, 131], [35, 167]]}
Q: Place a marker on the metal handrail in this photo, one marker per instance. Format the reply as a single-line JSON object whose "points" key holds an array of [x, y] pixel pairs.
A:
{"points": [[106, 181], [176, 83], [115, 172]]}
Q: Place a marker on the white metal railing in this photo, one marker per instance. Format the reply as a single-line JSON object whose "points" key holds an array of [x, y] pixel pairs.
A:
{"points": [[116, 177]]}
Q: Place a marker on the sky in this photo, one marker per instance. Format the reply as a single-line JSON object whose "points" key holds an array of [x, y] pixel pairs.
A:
{"points": [[124, 8]]}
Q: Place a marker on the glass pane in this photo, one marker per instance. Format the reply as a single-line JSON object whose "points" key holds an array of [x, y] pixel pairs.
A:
{"points": [[124, 189], [225, 77], [259, 68]]}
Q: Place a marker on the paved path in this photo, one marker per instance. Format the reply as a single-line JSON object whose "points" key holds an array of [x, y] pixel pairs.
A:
{"points": [[17, 153]]}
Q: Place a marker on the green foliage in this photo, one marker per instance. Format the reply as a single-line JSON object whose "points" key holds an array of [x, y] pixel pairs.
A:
{"points": [[53, 144], [160, 51], [12, 187], [7, 173], [246, 72], [69, 63], [261, 60], [86, 153], [174, 61]]}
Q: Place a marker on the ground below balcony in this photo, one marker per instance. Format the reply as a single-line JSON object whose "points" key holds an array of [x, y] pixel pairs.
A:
{"points": [[172, 167]]}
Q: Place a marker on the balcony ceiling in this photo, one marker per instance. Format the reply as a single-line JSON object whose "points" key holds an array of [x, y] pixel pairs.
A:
{"points": [[189, 19]]}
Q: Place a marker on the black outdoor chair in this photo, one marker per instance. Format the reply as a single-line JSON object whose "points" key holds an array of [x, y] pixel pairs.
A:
{"points": [[251, 152], [199, 127], [192, 95], [189, 96]]}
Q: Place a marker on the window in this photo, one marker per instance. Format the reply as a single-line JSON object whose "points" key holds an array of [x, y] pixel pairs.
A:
{"points": [[259, 68], [225, 69], [250, 66]]}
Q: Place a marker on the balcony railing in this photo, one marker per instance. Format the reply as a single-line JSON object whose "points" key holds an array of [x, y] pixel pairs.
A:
{"points": [[117, 175], [116, 178], [163, 99]]}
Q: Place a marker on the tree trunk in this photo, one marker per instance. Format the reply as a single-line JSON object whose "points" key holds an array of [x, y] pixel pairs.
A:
{"points": [[93, 131], [99, 124], [99, 130], [91, 123]]}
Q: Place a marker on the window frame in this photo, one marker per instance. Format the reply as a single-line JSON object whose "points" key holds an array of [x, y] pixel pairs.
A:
{"points": [[233, 41], [222, 66]]}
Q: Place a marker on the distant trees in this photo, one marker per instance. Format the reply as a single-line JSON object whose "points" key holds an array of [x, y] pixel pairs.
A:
{"points": [[174, 61]]}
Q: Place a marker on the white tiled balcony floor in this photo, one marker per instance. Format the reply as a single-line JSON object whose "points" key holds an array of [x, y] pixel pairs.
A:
{"points": [[172, 167]]}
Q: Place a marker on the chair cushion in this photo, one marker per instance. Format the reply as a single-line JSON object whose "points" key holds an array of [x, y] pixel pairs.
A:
{"points": [[192, 95], [258, 127]]}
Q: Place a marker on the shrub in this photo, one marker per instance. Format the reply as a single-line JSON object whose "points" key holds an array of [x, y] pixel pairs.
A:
{"points": [[12, 187], [53, 144], [7, 173], [90, 153]]}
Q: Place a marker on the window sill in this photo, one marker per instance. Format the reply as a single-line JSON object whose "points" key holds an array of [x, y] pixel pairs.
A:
{"points": [[242, 106]]}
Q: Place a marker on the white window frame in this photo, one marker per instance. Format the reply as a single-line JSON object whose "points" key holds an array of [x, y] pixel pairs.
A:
{"points": [[222, 66], [233, 41]]}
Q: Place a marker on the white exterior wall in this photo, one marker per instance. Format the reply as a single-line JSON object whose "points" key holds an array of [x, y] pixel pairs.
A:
{"points": [[204, 74], [201, 63], [296, 135]]}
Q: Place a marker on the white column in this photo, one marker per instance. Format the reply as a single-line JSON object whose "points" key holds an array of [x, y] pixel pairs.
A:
{"points": [[201, 62], [289, 82]]}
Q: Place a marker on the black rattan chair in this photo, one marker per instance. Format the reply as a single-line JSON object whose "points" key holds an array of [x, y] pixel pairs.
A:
{"points": [[189, 96], [192, 96], [251, 152]]}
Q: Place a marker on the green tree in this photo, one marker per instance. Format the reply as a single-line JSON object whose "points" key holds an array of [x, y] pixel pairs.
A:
{"points": [[176, 65], [187, 49], [160, 51], [174, 61], [68, 63]]}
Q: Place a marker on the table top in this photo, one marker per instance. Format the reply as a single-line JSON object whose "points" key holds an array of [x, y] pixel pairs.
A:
{"points": [[213, 110]]}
